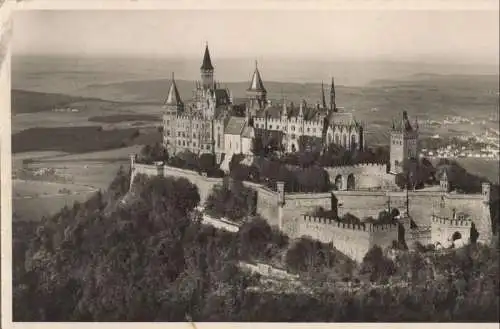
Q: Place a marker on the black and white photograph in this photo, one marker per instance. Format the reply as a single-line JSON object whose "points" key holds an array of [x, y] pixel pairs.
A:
{"points": [[308, 166]]}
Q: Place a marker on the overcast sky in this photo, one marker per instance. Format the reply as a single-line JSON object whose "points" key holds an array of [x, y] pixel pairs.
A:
{"points": [[461, 36]]}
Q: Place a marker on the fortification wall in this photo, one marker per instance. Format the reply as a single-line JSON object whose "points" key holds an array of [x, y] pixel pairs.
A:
{"points": [[267, 204], [297, 204], [422, 205], [443, 229], [361, 204], [367, 176], [351, 239], [204, 184]]}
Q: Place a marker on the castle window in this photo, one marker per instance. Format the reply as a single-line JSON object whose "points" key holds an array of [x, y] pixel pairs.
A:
{"points": [[277, 127], [308, 129], [178, 134], [194, 144], [183, 143], [194, 135], [179, 142], [293, 128], [168, 132], [293, 136], [183, 134], [270, 126], [168, 142]]}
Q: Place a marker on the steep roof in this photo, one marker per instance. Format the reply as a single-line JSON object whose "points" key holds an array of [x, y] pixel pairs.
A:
{"points": [[256, 82], [248, 132], [235, 126], [207, 62], [173, 97]]}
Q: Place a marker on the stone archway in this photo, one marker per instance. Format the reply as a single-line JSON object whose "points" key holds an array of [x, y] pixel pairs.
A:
{"points": [[339, 182], [351, 182], [456, 236]]}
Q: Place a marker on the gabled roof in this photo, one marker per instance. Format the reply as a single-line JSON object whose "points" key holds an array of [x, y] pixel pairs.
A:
{"points": [[173, 97], [256, 82], [235, 126], [207, 62]]}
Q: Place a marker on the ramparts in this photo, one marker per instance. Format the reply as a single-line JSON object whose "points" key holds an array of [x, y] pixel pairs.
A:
{"points": [[445, 229], [354, 240], [366, 176]]}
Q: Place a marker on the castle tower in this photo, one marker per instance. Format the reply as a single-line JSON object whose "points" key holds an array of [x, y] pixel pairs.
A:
{"points": [[483, 224], [333, 104], [207, 71], [257, 94], [173, 104], [444, 183], [403, 145]]}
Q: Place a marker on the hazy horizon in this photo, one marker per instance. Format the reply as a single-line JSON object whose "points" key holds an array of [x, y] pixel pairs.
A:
{"points": [[439, 37]]}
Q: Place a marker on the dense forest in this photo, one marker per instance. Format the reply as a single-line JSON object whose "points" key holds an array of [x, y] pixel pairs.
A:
{"points": [[144, 255]]}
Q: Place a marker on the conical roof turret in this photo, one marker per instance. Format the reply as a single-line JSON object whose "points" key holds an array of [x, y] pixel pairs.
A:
{"points": [[256, 82], [207, 62], [173, 98]]}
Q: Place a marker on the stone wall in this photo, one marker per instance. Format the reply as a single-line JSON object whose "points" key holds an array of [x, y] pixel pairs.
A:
{"points": [[443, 230], [422, 205], [366, 176], [351, 239], [288, 215]]}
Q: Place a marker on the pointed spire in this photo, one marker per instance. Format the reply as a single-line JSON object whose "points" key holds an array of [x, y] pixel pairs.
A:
{"points": [[301, 109], [333, 104], [323, 98], [207, 62], [256, 82], [284, 110], [173, 97]]}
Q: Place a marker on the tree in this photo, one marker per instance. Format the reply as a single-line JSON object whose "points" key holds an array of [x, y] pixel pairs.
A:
{"points": [[378, 267]]}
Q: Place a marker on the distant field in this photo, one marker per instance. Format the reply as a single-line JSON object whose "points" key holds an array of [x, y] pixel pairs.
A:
{"points": [[29, 102], [34, 199], [124, 118], [36, 208], [80, 139]]}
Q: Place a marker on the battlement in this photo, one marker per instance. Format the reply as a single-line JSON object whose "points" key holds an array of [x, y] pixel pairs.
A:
{"points": [[450, 222], [363, 227], [360, 166]]}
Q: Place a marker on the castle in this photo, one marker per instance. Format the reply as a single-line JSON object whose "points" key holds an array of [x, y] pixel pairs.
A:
{"points": [[206, 125], [403, 143]]}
